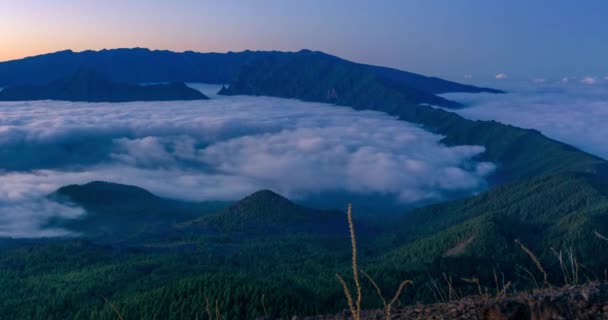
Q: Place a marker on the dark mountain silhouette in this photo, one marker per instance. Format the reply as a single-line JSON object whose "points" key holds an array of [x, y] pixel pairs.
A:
{"points": [[122, 211], [266, 211], [140, 65], [295, 76], [90, 86]]}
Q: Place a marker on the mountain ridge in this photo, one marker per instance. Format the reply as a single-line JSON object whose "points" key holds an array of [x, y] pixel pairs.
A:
{"points": [[518, 153], [88, 85], [141, 65]]}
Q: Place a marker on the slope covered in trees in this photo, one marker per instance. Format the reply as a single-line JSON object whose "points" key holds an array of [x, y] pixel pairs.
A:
{"points": [[314, 76], [253, 273]]}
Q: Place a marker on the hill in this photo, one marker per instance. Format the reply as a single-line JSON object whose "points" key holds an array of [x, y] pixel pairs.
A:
{"points": [[116, 211], [267, 212], [474, 236], [90, 86]]}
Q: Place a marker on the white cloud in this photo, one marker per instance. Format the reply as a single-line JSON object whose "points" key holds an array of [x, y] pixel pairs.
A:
{"points": [[501, 76], [589, 80], [539, 80], [574, 113], [24, 209], [28, 219], [222, 149], [468, 76]]}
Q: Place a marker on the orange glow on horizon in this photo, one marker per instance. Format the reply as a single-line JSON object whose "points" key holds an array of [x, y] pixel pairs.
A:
{"points": [[8, 54]]}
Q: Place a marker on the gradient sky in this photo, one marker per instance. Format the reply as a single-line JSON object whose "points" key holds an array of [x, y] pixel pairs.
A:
{"points": [[522, 38]]}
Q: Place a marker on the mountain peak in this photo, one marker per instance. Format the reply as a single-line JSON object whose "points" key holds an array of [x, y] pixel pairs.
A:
{"points": [[103, 192], [266, 210], [265, 195], [264, 203]]}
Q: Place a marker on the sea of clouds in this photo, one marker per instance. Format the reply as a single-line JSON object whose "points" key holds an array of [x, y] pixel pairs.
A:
{"points": [[221, 149], [571, 110]]}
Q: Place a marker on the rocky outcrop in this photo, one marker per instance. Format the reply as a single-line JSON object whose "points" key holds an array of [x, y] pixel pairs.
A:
{"points": [[584, 302]]}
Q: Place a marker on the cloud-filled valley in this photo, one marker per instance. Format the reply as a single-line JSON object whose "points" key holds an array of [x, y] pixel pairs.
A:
{"points": [[571, 111], [221, 149]]}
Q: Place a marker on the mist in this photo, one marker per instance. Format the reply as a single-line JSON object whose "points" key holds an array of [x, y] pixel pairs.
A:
{"points": [[221, 149], [571, 110]]}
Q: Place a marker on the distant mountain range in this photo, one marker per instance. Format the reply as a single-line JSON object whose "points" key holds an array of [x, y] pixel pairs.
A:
{"points": [[146, 66], [89, 85]]}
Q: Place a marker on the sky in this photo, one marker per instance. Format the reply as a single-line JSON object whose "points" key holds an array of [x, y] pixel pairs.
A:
{"points": [[469, 40]]}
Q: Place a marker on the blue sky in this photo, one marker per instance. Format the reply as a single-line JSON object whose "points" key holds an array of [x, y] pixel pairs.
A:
{"points": [[481, 38]]}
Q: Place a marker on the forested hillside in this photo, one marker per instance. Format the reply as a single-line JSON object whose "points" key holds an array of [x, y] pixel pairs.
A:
{"points": [[314, 76]]}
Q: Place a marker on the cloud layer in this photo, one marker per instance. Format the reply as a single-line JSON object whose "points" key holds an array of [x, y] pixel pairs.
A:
{"points": [[221, 149], [575, 112]]}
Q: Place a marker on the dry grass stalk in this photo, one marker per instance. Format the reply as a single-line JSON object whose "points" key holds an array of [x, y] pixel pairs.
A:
{"points": [[599, 235], [529, 274], [218, 316], [443, 295], [503, 293], [355, 308], [438, 293], [398, 294], [387, 306], [264, 305], [113, 308], [452, 294], [376, 287], [573, 266], [484, 293], [560, 259], [349, 297], [208, 308], [570, 272], [210, 314], [496, 280], [505, 287], [476, 282], [353, 241], [536, 262]]}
